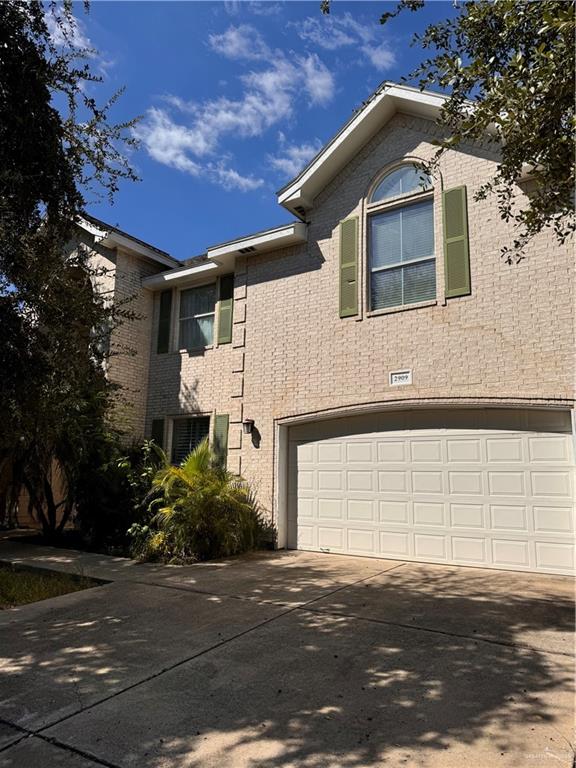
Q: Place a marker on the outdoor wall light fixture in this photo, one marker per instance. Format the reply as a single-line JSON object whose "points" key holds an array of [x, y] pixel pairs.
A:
{"points": [[248, 426]]}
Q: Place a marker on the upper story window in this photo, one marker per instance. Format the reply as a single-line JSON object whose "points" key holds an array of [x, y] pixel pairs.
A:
{"points": [[401, 255], [197, 310]]}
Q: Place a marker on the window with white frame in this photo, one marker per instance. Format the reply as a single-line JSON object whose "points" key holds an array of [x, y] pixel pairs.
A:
{"points": [[197, 309], [187, 434], [401, 257]]}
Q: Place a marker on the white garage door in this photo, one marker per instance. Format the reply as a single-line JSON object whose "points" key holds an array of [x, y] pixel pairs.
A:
{"points": [[487, 488]]}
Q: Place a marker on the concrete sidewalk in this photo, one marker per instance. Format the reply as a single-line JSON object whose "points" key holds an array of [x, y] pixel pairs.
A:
{"points": [[287, 659]]}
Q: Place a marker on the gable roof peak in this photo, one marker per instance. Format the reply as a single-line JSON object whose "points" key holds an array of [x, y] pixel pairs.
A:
{"points": [[297, 196]]}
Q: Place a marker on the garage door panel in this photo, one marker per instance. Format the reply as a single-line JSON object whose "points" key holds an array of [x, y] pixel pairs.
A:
{"points": [[504, 450], [469, 549], [426, 451], [360, 480], [307, 537], [306, 508], [548, 449], [464, 451], [392, 452], [551, 555], [329, 453], [431, 481], [510, 552], [395, 544], [429, 513], [551, 484], [395, 512], [465, 483], [330, 509], [553, 520], [467, 516], [330, 538], [480, 495], [330, 481], [508, 518], [506, 483], [361, 510], [393, 481], [429, 546], [306, 480], [362, 540], [359, 452]]}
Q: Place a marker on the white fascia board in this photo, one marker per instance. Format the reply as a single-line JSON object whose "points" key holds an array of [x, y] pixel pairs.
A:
{"points": [[112, 239], [262, 242], [97, 233], [354, 135], [174, 277]]}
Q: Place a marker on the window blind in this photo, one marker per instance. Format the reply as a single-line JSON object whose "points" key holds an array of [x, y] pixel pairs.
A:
{"points": [[197, 307], [402, 256], [187, 434]]}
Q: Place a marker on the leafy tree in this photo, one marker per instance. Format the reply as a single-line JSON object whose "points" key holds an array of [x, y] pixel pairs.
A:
{"points": [[508, 67], [56, 147]]}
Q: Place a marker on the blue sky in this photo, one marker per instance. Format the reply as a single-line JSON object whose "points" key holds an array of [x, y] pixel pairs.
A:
{"points": [[235, 98]]}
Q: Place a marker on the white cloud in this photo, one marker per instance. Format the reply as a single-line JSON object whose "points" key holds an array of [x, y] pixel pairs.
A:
{"points": [[167, 142], [325, 32], [334, 32], [318, 80], [291, 158], [266, 8], [232, 7], [66, 31], [242, 42], [231, 179], [188, 139], [380, 56], [171, 144]]}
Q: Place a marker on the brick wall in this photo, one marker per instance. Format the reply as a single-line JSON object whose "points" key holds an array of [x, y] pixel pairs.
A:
{"points": [[130, 342], [511, 340]]}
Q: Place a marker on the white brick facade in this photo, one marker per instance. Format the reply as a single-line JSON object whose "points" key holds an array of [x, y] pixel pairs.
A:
{"points": [[511, 341]]}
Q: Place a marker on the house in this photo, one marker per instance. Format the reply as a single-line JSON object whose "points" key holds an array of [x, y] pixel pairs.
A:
{"points": [[387, 383]]}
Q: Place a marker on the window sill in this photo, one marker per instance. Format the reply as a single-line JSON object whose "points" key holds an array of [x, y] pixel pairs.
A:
{"points": [[402, 308], [194, 350]]}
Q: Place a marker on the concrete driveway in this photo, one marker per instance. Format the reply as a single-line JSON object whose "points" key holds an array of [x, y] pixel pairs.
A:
{"points": [[287, 659]]}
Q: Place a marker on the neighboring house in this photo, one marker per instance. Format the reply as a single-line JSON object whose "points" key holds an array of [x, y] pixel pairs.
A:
{"points": [[124, 263], [388, 385]]}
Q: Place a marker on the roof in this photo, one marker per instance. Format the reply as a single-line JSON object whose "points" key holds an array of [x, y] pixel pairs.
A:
{"points": [[108, 234], [203, 257], [297, 196], [220, 259]]}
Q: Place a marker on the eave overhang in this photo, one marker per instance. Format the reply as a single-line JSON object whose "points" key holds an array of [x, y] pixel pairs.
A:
{"points": [[111, 238], [298, 195], [220, 259]]}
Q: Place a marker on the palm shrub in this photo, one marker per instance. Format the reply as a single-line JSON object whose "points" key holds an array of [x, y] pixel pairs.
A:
{"points": [[202, 512]]}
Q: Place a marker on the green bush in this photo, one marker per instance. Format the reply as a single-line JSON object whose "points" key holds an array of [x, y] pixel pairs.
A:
{"points": [[115, 488], [202, 512]]}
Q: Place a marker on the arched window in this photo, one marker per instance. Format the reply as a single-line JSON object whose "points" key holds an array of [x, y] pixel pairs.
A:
{"points": [[401, 256]]}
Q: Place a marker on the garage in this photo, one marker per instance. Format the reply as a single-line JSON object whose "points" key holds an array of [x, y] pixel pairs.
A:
{"points": [[490, 488]]}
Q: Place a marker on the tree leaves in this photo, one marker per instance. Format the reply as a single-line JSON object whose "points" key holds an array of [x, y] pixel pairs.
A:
{"points": [[54, 394], [514, 61]]}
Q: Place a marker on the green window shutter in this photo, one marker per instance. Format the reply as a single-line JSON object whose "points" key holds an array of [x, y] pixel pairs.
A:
{"points": [[157, 433], [164, 321], [349, 267], [225, 309], [220, 437], [456, 247]]}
